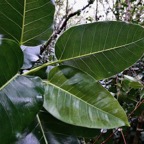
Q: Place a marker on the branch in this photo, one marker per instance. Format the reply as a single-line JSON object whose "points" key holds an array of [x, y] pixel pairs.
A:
{"points": [[128, 16], [124, 140], [109, 137], [137, 106], [67, 5], [97, 138], [54, 35], [96, 13]]}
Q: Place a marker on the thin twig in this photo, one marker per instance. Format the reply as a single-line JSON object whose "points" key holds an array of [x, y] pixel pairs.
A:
{"points": [[137, 106], [97, 138], [54, 35], [127, 15], [96, 13], [67, 5], [123, 136], [112, 10], [109, 137]]}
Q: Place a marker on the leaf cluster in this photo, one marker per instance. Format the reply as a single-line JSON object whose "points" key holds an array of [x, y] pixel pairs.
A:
{"points": [[61, 99]]}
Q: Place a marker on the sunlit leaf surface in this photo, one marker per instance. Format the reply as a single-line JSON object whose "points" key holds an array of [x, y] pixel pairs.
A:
{"points": [[77, 98]]}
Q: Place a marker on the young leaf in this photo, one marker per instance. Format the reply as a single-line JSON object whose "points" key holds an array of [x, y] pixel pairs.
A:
{"points": [[101, 49], [27, 22], [132, 82], [77, 98]]}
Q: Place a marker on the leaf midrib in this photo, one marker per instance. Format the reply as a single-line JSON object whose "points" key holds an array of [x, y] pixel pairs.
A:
{"points": [[23, 23], [49, 83], [97, 52], [42, 130], [8, 81], [76, 57]]}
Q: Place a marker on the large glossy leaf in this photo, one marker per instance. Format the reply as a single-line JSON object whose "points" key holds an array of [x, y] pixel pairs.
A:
{"points": [[77, 98], [55, 126], [56, 132], [32, 135], [26, 21], [11, 60], [101, 49], [20, 101], [48, 130], [20, 97]]}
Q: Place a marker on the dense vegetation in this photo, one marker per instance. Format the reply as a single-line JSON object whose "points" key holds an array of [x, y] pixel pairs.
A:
{"points": [[60, 85]]}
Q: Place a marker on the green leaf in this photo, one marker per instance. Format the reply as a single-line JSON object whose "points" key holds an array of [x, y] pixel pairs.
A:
{"points": [[32, 135], [52, 125], [20, 97], [27, 22], [53, 130], [11, 60], [77, 98], [49, 130], [20, 101], [101, 49], [132, 82], [142, 94]]}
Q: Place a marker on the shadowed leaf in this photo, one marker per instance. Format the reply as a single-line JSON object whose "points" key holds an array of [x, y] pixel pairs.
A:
{"points": [[27, 22]]}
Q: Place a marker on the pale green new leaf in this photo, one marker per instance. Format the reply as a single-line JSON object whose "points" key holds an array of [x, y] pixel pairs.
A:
{"points": [[132, 82], [77, 98], [101, 49], [28, 22]]}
